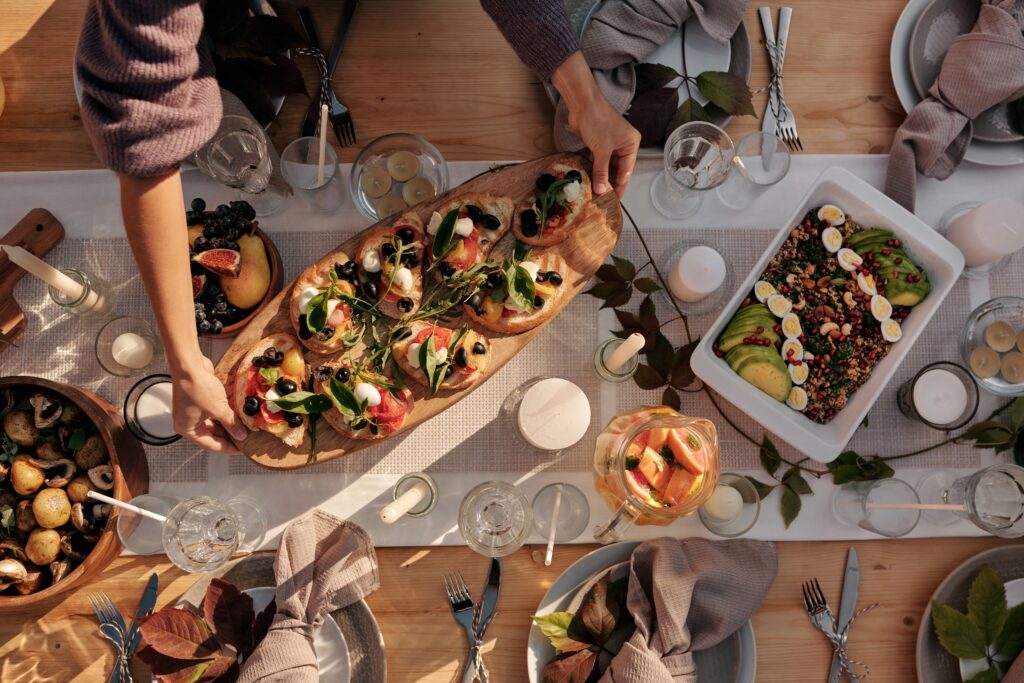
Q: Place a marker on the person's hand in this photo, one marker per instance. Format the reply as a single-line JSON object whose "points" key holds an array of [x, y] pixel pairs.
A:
{"points": [[612, 141], [202, 412]]}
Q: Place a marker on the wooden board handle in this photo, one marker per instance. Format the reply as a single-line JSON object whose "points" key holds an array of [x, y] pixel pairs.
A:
{"points": [[38, 232]]}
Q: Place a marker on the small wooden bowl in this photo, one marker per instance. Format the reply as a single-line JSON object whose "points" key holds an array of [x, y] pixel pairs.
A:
{"points": [[131, 478], [276, 283]]}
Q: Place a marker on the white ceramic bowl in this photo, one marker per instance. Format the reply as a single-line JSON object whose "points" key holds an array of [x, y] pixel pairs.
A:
{"points": [[863, 203]]}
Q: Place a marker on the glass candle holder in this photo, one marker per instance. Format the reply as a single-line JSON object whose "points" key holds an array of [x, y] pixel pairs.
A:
{"points": [[672, 264], [942, 395], [148, 412], [126, 346], [96, 299], [988, 235], [415, 495], [300, 165], [735, 513], [547, 414], [601, 357]]}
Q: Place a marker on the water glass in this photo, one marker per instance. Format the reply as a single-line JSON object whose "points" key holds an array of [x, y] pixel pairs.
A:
{"points": [[300, 165], [238, 156], [143, 535], [201, 534], [495, 518], [992, 498], [850, 506], [761, 160], [698, 157]]}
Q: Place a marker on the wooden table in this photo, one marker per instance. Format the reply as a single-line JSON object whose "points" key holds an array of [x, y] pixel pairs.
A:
{"points": [[441, 69]]}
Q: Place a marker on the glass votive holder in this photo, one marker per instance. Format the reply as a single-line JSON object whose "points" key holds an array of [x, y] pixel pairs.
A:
{"points": [[148, 411], [733, 508], [126, 346], [988, 235], [96, 299], [761, 160], [942, 395], [547, 414], [143, 535], [563, 508], [415, 495], [693, 298], [604, 353], [495, 518], [300, 164], [860, 504]]}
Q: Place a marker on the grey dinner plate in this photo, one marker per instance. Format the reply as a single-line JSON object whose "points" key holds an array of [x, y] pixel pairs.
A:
{"points": [[362, 634], [942, 22], [934, 664]]}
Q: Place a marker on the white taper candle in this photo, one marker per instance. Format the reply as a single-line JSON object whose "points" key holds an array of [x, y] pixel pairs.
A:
{"points": [[405, 502], [625, 351]]}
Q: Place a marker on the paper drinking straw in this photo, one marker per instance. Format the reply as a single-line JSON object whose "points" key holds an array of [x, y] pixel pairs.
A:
{"points": [[914, 506], [549, 554], [126, 506], [323, 145]]}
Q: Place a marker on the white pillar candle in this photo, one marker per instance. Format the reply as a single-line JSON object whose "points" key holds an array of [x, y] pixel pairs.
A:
{"points": [[554, 414], [44, 271], [699, 271], [405, 502], [153, 411], [989, 232], [724, 504], [940, 397], [132, 350], [625, 351]]}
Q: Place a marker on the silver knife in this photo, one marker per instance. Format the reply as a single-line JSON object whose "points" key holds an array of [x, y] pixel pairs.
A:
{"points": [[847, 605], [146, 605], [488, 603]]}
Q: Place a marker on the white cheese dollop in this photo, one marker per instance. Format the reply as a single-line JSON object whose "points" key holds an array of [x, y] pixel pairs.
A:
{"points": [[272, 395], [464, 227], [413, 354], [306, 296], [403, 279], [572, 190], [331, 305], [435, 222], [371, 261], [531, 268], [367, 392]]}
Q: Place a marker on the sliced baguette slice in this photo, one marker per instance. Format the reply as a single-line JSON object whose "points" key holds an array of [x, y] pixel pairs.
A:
{"points": [[559, 234], [501, 207], [316, 276], [458, 379], [239, 384], [340, 423], [373, 242], [521, 322]]}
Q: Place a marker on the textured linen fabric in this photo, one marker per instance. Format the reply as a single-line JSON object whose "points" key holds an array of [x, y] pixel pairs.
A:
{"points": [[149, 94], [688, 595], [981, 69], [323, 564], [538, 30], [1016, 672], [624, 32]]}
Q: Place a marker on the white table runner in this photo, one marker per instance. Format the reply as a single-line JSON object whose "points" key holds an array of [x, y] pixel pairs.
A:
{"points": [[469, 444]]}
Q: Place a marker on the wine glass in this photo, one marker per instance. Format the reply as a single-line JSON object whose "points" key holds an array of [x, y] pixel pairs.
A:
{"points": [[238, 156], [495, 518], [202, 533], [698, 157], [992, 498]]}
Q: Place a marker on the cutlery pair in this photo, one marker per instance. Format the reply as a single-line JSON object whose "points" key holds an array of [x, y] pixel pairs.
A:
{"points": [[778, 117], [821, 616], [113, 627], [474, 618], [339, 115]]}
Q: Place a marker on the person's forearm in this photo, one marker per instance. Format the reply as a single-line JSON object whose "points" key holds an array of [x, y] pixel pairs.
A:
{"points": [[575, 83], [154, 221]]}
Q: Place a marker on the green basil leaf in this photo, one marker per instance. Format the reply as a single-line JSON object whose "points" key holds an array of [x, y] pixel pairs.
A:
{"points": [[77, 439], [343, 398], [303, 403], [316, 312], [443, 240], [521, 288], [428, 359], [271, 375]]}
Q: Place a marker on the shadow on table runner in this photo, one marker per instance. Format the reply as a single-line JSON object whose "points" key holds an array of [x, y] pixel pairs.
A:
{"points": [[1010, 280]]}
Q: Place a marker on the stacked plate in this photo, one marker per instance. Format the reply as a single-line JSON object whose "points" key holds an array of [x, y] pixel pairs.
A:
{"points": [[924, 33]]}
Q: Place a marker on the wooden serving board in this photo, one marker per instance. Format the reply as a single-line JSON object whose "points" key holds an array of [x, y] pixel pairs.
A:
{"points": [[38, 232], [584, 252]]}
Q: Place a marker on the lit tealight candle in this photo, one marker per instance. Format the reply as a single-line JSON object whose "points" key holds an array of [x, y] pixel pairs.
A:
{"points": [[132, 350], [554, 414], [699, 271], [725, 503], [940, 397]]}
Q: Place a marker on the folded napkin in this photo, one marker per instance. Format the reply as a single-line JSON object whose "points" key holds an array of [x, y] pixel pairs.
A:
{"points": [[981, 69], [324, 563], [624, 32], [688, 595], [1016, 672]]}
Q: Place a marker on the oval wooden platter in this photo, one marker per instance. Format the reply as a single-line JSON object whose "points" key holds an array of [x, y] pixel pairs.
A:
{"points": [[584, 252]]}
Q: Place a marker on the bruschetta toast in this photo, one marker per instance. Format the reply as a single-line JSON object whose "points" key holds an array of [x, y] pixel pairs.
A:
{"points": [[459, 357], [391, 259], [479, 222], [366, 405], [272, 369], [550, 214], [504, 305]]}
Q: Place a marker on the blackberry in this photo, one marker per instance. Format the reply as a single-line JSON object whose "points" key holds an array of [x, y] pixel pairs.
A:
{"points": [[198, 205], [216, 327], [203, 326]]}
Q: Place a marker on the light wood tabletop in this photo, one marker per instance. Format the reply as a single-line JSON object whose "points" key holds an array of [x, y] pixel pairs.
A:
{"points": [[440, 68]]}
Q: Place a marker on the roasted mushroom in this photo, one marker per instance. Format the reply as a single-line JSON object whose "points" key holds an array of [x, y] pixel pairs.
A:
{"points": [[49, 450], [13, 549], [43, 546], [8, 498], [59, 569], [11, 572], [24, 518], [75, 546], [47, 410], [7, 400], [102, 477], [62, 471], [92, 453], [35, 578], [21, 428], [71, 415], [83, 520], [4, 469]]}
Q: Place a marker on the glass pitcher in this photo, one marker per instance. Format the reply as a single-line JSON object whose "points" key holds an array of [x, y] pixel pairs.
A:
{"points": [[652, 466]]}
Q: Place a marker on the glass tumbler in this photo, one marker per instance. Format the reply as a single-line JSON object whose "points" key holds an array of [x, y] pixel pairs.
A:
{"points": [[495, 518], [238, 156], [851, 505], [761, 160], [698, 157], [300, 165], [992, 498]]}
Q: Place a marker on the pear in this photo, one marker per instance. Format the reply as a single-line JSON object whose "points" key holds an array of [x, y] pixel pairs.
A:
{"points": [[248, 289]]}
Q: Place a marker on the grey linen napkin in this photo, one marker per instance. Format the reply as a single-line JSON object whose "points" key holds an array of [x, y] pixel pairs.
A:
{"points": [[981, 69], [623, 33], [235, 106], [688, 595], [324, 563]]}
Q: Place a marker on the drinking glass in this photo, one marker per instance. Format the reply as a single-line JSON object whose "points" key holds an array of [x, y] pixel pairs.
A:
{"points": [[495, 518], [992, 498], [143, 535], [850, 506], [562, 507], [698, 157], [300, 165], [761, 160], [201, 534], [238, 156]]}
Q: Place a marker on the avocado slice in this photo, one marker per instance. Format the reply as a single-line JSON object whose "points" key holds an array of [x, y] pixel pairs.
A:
{"points": [[867, 235], [903, 293], [742, 353], [768, 373], [745, 323]]}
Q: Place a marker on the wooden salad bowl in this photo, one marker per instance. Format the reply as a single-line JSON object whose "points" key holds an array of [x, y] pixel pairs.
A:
{"points": [[584, 251], [131, 478], [276, 283]]}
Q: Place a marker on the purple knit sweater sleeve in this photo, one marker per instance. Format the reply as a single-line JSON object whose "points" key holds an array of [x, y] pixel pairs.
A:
{"points": [[538, 30], [149, 95]]}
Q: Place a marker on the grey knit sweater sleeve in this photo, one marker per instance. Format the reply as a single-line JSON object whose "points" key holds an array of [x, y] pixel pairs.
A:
{"points": [[149, 95], [538, 30]]}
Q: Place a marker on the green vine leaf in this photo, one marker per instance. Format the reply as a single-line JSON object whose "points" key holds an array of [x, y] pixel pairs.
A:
{"points": [[660, 357], [850, 466], [727, 91], [620, 298], [608, 273], [1017, 414], [794, 480], [770, 458], [653, 76], [624, 267], [671, 398], [791, 504], [651, 112], [688, 111], [986, 603], [1010, 642], [603, 290], [647, 377], [960, 636], [763, 490], [989, 675], [627, 320], [648, 315], [646, 285]]}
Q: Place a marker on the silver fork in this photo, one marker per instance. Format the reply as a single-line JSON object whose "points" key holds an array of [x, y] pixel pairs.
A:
{"points": [[112, 627], [462, 609], [338, 114], [787, 122], [821, 616]]}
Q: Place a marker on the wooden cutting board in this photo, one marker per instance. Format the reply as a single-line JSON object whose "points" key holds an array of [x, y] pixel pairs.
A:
{"points": [[584, 252], [38, 232]]}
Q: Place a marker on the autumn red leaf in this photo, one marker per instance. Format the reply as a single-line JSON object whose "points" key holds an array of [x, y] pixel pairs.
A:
{"points": [[573, 667], [229, 613], [180, 634]]}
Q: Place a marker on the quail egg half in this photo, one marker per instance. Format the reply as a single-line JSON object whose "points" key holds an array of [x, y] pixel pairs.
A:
{"points": [[832, 239], [849, 260], [799, 374], [891, 331], [866, 282], [797, 399], [791, 326], [779, 305], [831, 214], [792, 350], [763, 290], [881, 308]]}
